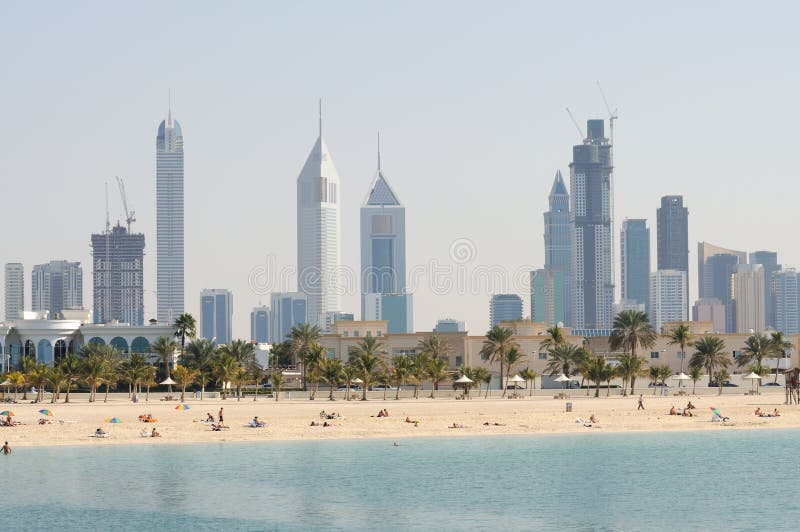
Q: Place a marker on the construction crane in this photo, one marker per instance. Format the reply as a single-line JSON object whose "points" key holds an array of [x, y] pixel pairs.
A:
{"points": [[130, 216], [612, 115], [575, 122]]}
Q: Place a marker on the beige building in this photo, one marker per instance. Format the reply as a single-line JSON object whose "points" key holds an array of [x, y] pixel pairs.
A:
{"points": [[747, 293], [466, 348]]}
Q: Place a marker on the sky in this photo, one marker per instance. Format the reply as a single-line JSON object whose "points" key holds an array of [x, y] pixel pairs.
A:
{"points": [[469, 99]]}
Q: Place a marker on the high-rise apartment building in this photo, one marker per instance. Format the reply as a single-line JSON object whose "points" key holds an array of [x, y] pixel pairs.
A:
{"points": [[15, 290], [668, 295], [673, 235], [635, 261], [318, 232], [117, 276], [719, 271], [383, 254], [504, 307], [769, 261], [706, 282], [712, 310], [748, 298], [591, 217], [56, 286], [288, 309], [396, 309], [786, 298], [550, 296], [449, 325], [216, 315], [260, 322], [169, 221], [550, 286]]}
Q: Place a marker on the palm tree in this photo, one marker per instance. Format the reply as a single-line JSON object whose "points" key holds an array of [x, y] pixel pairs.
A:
{"points": [[185, 327], [276, 378], [435, 346], [437, 372], [367, 358], [695, 372], [756, 348], [721, 376], [244, 356], [225, 368], [93, 372], [513, 357], [530, 379], [710, 354], [38, 377], [470, 373], [165, 348], [597, 371], [149, 381], [481, 376], [303, 338], [680, 335], [629, 366], [419, 371], [26, 364], [555, 337], [111, 362], [664, 373], [311, 361], [184, 377], [779, 347], [331, 370], [17, 380], [199, 354], [499, 341], [71, 366], [57, 378], [631, 330], [565, 358], [401, 368]]}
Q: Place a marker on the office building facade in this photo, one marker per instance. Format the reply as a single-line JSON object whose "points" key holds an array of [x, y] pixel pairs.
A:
{"points": [[216, 315], [260, 324], [748, 298], [710, 310], [395, 309], [449, 325], [672, 220], [550, 296], [288, 309], [668, 295], [769, 261], [504, 307], [56, 286], [14, 290], [785, 289], [635, 261]]}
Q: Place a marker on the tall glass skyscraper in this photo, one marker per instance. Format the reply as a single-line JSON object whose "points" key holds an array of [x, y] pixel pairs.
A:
{"points": [[591, 217], [720, 269], [15, 290], [169, 220], [769, 261], [383, 255], [673, 234], [216, 315], [635, 262], [550, 287], [504, 307], [117, 274], [318, 232], [56, 286], [260, 322]]}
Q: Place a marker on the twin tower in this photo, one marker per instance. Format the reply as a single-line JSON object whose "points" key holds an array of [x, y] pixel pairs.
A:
{"points": [[383, 245]]}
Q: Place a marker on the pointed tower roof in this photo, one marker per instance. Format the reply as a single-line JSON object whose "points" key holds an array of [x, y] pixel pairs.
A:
{"points": [[380, 193], [319, 162], [559, 187]]}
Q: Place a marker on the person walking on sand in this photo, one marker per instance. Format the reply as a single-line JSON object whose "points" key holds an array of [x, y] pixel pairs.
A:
{"points": [[6, 449], [220, 415], [641, 402]]}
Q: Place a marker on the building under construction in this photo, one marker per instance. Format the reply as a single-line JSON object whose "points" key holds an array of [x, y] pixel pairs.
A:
{"points": [[117, 260]]}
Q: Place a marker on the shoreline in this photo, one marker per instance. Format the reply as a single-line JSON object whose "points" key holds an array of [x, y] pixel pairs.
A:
{"points": [[290, 420]]}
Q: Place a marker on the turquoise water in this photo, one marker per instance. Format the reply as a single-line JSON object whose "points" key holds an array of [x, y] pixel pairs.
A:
{"points": [[592, 481]]}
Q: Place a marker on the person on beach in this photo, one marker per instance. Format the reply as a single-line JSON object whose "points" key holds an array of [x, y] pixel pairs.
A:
{"points": [[220, 415], [641, 402], [209, 417], [155, 433], [6, 449], [672, 411], [690, 406]]}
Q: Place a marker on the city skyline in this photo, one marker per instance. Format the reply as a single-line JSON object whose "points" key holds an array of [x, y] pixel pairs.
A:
{"points": [[470, 139]]}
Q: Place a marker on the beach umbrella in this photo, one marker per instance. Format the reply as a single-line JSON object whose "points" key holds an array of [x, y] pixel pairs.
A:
{"points": [[169, 382], [752, 376], [464, 380], [47, 412], [357, 381], [182, 407], [680, 377], [7, 413], [562, 379], [5, 383], [113, 420]]}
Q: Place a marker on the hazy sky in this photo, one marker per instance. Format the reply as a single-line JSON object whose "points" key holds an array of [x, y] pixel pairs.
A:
{"points": [[469, 98]]}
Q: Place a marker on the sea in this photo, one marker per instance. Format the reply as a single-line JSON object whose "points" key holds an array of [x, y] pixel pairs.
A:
{"points": [[709, 480]]}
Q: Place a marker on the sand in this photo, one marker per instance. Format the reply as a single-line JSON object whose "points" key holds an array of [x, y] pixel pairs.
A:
{"points": [[290, 419]]}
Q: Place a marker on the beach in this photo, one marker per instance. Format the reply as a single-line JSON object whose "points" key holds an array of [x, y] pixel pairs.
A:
{"points": [[74, 423]]}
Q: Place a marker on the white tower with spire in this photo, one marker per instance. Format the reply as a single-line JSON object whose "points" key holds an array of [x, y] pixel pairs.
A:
{"points": [[169, 220], [318, 232]]}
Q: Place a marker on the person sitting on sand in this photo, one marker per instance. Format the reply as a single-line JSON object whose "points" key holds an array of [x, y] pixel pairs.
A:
{"points": [[385, 413], [155, 433], [257, 424], [314, 424], [594, 419], [690, 406], [457, 426], [496, 424], [218, 426], [672, 411], [758, 412], [775, 413], [100, 433], [9, 421], [209, 417]]}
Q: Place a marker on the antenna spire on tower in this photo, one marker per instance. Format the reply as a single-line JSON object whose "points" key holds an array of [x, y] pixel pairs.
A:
{"points": [[320, 118], [169, 107], [379, 152]]}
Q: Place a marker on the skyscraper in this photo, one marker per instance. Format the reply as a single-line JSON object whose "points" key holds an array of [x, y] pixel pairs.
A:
{"points": [[216, 315], [504, 307], [591, 219], [288, 309], [712, 310], [449, 325], [318, 230], [786, 289], [260, 322], [383, 250], [769, 260], [550, 287], [635, 261], [15, 290], [668, 296], [117, 274], [396, 309], [748, 297], [169, 220], [705, 276], [719, 270], [673, 234], [56, 286]]}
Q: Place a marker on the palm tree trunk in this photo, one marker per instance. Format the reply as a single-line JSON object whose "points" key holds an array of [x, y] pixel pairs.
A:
{"points": [[330, 397], [147, 397], [183, 393], [105, 399], [633, 382], [364, 391], [433, 389], [597, 389], [202, 390], [487, 391]]}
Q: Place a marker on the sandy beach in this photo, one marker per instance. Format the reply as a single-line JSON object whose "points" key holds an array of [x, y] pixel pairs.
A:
{"points": [[291, 419]]}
